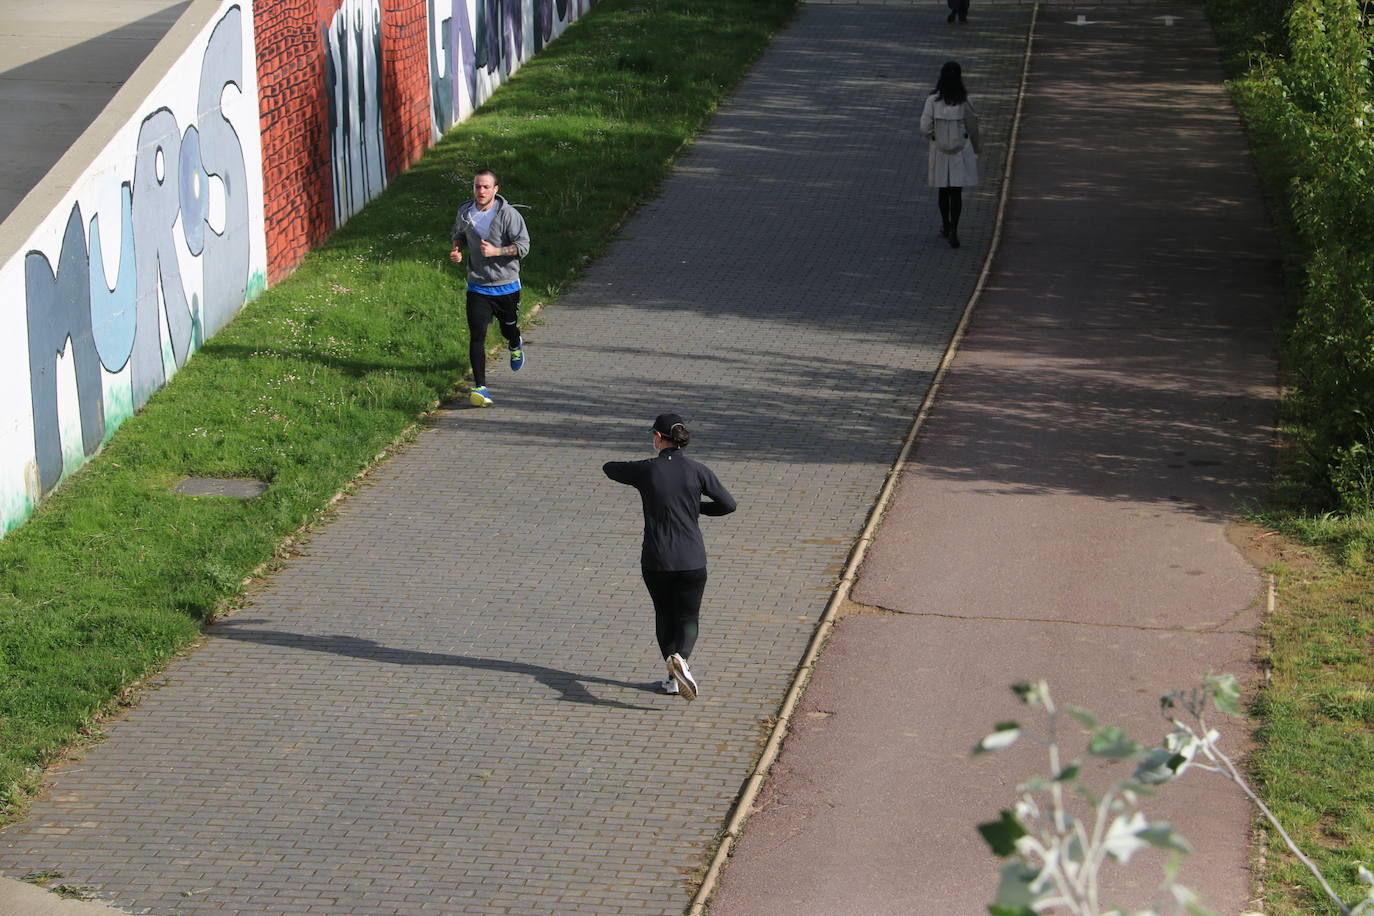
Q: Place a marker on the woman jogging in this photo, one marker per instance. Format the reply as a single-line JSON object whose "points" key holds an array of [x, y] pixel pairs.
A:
{"points": [[673, 558], [951, 125]]}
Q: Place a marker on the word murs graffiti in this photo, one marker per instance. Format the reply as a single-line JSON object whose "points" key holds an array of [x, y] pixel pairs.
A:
{"points": [[184, 182]]}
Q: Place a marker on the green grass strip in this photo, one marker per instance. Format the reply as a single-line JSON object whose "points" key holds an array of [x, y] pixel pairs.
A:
{"points": [[115, 573], [1314, 755]]}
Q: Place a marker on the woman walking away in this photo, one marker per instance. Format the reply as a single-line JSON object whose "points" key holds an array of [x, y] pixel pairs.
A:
{"points": [[951, 125], [673, 558]]}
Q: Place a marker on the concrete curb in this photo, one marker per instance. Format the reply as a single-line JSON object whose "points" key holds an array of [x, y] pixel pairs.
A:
{"points": [[19, 898], [132, 97], [745, 802]]}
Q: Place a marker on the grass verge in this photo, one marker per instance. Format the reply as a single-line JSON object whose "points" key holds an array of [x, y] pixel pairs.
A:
{"points": [[1314, 757], [1313, 760], [115, 573]]}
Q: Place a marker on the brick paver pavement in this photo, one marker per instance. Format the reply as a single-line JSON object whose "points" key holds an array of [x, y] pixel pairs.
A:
{"points": [[445, 704]]}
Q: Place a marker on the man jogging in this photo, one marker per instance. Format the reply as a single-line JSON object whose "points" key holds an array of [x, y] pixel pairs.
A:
{"points": [[494, 235]]}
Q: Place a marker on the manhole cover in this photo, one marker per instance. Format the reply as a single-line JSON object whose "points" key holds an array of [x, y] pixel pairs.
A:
{"points": [[221, 486]]}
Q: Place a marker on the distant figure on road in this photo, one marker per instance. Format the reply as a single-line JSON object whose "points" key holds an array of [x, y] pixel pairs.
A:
{"points": [[494, 234], [958, 8], [951, 125], [673, 558]]}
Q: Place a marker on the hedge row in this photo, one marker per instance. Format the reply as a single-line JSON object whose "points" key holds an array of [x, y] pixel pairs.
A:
{"points": [[1307, 92]]}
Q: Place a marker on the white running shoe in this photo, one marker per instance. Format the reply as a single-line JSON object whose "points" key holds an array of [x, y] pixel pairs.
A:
{"points": [[686, 684], [668, 686]]}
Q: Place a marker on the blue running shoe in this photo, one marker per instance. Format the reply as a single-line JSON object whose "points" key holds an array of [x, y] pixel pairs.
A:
{"points": [[517, 357], [479, 396]]}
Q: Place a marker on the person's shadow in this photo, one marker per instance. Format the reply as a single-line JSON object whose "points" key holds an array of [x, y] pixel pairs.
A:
{"points": [[569, 686]]}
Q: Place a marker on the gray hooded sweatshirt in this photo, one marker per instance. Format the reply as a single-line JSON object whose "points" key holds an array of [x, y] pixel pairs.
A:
{"points": [[507, 228]]}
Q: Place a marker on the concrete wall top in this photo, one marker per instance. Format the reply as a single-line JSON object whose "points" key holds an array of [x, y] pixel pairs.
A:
{"points": [[127, 103]]}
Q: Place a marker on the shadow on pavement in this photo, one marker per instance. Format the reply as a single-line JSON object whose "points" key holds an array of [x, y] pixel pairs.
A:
{"points": [[569, 685]]}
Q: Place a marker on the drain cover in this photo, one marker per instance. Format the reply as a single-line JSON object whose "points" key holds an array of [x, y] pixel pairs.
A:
{"points": [[221, 486]]}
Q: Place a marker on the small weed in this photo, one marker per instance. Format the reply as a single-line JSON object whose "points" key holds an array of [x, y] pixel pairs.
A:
{"points": [[73, 891]]}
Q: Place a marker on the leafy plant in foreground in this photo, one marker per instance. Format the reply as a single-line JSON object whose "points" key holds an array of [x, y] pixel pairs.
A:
{"points": [[1058, 855]]}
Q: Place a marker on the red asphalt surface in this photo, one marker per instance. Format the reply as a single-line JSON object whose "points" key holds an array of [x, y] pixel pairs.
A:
{"points": [[1064, 515]]}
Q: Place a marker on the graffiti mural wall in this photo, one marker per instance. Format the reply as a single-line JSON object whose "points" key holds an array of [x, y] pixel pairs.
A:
{"points": [[353, 96], [355, 90], [154, 249], [475, 45], [278, 122]]}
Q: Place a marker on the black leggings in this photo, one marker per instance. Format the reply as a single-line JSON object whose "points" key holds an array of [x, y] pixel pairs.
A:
{"points": [[951, 201], [481, 308], [677, 607]]}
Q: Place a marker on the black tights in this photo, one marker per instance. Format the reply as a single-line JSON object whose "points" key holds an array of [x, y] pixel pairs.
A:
{"points": [[481, 309], [951, 202], [677, 607]]}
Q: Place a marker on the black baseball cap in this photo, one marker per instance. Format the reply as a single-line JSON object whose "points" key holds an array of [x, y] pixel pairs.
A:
{"points": [[664, 423]]}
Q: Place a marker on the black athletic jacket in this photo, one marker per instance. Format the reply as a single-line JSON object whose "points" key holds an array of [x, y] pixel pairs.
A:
{"points": [[670, 487]]}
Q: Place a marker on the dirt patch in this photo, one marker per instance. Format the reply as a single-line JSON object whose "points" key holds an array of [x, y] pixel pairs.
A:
{"points": [[1263, 548]]}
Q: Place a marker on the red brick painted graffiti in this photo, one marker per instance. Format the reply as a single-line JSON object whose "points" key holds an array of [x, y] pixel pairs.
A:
{"points": [[298, 198], [407, 124]]}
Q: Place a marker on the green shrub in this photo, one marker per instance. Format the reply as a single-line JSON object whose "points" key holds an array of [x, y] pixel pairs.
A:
{"points": [[1309, 97], [1352, 476]]}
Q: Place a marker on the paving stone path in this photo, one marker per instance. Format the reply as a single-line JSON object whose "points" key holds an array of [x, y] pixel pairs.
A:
{"points": [[445, 705], [1066, 513]]}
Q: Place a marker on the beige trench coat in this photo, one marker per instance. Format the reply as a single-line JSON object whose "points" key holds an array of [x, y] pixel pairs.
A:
{"points": [[953, 134]]}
